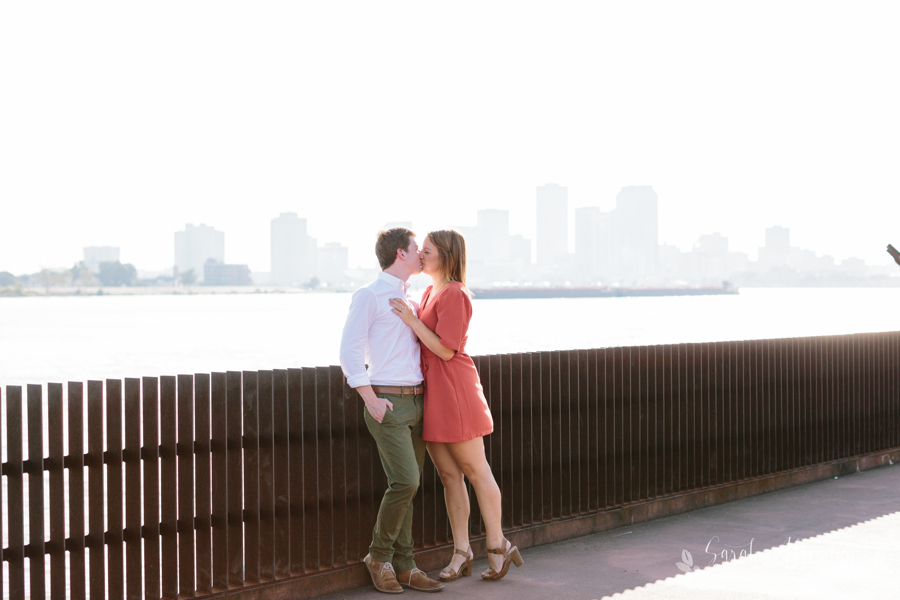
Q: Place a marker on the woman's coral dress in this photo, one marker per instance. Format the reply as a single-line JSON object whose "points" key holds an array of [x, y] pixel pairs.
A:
{"points": [[455, 408]]}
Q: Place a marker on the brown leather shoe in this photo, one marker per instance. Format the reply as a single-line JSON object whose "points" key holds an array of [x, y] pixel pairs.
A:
{"points": [[416, 579], [383, 576]]}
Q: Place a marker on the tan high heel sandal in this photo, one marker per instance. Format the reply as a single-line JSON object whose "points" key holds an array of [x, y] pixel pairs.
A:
{"points": [[511, 555], [448, 574]]}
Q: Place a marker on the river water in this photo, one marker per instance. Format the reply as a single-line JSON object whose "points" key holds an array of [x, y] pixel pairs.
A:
{"points": [[58, 339]]}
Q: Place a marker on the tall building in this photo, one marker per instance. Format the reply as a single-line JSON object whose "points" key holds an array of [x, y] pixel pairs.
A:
{"points": [[94, 255], [520, 250], [777, 249], [711, 258], [493, 225], [333, 262], [552, 240], [636, 232], [293, 251], [593, 243], [778, 238], [195, 245]]}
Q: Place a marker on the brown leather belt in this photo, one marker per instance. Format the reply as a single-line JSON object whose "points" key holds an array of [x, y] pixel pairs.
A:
{"points": [[411, 390]]}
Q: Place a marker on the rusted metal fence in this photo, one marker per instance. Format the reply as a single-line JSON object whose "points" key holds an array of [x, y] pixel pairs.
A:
{"points": [[202, 484]]}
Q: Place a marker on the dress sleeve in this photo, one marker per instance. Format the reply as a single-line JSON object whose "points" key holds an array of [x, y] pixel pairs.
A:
{"points": [[454, 310]]}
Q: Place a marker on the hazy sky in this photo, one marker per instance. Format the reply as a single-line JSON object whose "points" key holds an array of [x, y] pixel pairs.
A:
{"points": [[120, 121]]}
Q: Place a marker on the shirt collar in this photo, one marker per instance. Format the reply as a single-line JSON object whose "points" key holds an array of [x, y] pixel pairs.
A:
{"points": [[394, 282]]}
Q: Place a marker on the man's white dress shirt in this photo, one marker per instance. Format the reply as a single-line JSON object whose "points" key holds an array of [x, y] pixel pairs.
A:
{"points": [[374, 334]]}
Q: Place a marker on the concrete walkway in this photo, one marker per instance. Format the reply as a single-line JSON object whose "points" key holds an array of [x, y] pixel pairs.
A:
{"points": [[832, 539]]}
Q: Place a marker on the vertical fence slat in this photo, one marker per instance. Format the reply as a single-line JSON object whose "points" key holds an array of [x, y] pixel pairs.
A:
{"points": [[266, 477], [723, 413], [150, 459], [501, 370], [15, 489], [591, 400], [556, 405], [692, 415], [706, 449], [642, 480], [530, 477], [540, 403], [568, 474], [796, 385], [338, 466], [133, 491], [184, 451], [605, 427], [517, 406], [816, 398], [1, 499], [854, 399], [114, 489], [168, 478], [75, 463], [311, 445], [325, 501], [234, 484], [733, 418], [56, 468], [830, 393], [219, 450], [618, 438], [203, 481], [893, 390], [766, 452], [36, 490], [502, 414], [297, 447], [251, 476], [283, 474], [96, 497], [632, 430], [352, 416], [669, 397], [776, 405], [656, 416]]}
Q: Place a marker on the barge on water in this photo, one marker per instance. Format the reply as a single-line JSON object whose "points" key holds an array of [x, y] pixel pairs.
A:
{"points": [[597, 292]]}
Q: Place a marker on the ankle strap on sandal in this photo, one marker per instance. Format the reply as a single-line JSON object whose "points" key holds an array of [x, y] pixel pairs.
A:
{"points": [[461, 552], [503, 549]]}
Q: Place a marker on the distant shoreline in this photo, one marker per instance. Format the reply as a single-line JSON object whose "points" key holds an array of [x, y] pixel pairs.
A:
{"points": [[31, 292], [23, 292]]}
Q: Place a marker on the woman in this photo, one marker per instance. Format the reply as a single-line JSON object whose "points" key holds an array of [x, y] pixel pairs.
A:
{"points": [[456, 413]]}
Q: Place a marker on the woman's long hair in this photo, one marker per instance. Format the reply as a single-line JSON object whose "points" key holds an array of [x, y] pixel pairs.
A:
{"points": [[451, 247]]}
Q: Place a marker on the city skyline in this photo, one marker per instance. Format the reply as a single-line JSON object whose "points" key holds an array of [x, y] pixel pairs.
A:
{"points": [[360, 253], [112, 139], [618, 247]]}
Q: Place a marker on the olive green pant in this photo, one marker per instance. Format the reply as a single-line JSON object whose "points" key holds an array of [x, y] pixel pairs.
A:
{"points": [[402, 453]]}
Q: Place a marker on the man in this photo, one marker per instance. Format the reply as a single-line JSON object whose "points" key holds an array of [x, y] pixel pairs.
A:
{"points": [[393, 393]]}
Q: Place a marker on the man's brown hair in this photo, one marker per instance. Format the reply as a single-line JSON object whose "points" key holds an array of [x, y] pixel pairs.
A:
{"points": [[389, 241]]}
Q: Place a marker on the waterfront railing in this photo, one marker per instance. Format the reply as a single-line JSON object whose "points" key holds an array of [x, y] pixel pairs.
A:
{"points": [[265, 484]]}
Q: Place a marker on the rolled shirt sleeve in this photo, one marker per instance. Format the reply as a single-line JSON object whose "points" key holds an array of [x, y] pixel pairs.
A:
{"points": [[355, 338], [454, 310]]}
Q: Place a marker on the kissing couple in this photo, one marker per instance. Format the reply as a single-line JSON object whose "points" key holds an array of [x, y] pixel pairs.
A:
{"points": [[422, 393]]}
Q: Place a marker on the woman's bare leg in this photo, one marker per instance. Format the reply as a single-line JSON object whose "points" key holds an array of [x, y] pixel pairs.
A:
{"points": [[455, 495], [470, 457]]}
